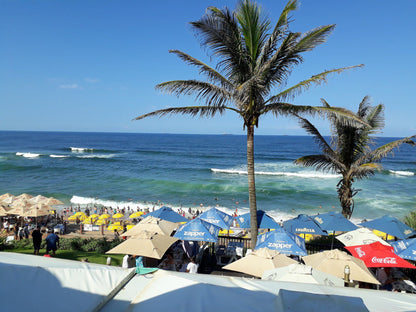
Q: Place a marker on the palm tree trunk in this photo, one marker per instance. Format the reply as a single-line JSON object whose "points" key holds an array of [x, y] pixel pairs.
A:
{"points": [[251, 185], [345, 196]]}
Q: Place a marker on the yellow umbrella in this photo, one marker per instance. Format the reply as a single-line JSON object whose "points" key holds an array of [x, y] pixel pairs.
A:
{"points": [[129, 226], [82, 217], [94, 216], [104, 216], [118, 216], [88, 221], [136, 214], [72, 218], [79, 213], [115, 227], [100, 222]]}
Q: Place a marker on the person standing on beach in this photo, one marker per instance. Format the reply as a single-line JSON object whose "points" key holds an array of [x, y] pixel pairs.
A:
{"points": [[192, 266], [52, 240], [37, 240]]}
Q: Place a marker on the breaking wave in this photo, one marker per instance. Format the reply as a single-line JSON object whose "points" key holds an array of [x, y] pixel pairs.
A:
{"points": [[28, 155], [402, 173], [304, 174]]}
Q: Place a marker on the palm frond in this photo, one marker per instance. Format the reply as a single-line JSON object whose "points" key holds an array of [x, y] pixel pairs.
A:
{"points": [[211, 73], [212, 94], [287, 109], [202, 111], [318, 79], [385, 149], [219, 31], [319, 139], [364, 171], [320, 162], [313, 38]]}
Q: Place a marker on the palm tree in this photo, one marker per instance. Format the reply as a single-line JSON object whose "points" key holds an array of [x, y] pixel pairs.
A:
{"points": [[252, 60], [350, 153]]}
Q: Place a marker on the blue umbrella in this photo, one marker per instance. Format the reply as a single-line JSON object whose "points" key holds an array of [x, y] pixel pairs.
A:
{"points": [[168, 214], [303, 224], [334, 221], [282, 241], [217, 217], [264, 221], [390, 225], [198, 230], [405, 248]]}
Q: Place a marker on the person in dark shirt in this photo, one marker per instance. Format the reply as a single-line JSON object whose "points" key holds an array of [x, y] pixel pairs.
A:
{"points": [[37, 240]]}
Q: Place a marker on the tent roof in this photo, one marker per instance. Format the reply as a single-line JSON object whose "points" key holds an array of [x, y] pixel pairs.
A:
{"points": [[77, 286]]}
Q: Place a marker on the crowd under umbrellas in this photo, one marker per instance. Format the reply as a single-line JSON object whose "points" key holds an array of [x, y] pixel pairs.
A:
{"points": [[164, 232]]}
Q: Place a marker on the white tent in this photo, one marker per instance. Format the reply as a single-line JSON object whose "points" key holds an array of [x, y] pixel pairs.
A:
{"points": [[33, 283]]}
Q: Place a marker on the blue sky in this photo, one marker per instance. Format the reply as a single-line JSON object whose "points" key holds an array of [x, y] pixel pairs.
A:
{"points": [[92, 65]]}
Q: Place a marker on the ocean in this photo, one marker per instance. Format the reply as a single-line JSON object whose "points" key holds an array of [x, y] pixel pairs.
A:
{"points": [[194, 171]]}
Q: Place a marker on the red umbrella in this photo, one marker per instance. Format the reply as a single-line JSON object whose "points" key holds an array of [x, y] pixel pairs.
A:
{"points": [[378, 255]]}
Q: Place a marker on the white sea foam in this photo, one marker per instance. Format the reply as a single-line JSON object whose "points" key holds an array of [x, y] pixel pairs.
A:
{"points": [[97, 156], [402, 173], [302, 174], [28, 155], [81, 149], [58, 156]]}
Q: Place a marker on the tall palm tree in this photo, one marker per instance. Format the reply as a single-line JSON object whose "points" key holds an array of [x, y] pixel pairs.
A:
{"points": [[349, 153], [253, 59]]}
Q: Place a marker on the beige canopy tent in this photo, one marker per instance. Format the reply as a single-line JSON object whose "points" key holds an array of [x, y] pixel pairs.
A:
{"points": [[146, 244], [152, 224], [259, 261], [3, 211], [7, 198], [334, 262], [20, 206], [37, 210]]}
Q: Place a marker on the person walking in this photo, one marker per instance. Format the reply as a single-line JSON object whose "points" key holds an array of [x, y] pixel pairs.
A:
{"points": [[52, 241], [37, 240]]}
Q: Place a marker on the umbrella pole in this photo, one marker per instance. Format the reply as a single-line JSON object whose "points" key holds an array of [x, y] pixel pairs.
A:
{"points": [[332, 241]]}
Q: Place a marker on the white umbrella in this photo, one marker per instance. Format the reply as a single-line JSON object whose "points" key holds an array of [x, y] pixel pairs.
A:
{"points": [[259, 261], [361, 236], [7, 198], [152, 224], [300, 273]]}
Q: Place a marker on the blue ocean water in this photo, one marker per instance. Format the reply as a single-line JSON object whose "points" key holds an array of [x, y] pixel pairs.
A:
{"points": [[146, 170]]}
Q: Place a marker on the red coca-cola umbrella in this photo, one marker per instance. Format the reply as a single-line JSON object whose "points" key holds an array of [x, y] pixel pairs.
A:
{"points": [[378, 255]]}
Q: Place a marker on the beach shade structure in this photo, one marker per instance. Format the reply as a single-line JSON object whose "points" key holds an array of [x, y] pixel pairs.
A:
{"points": [[51, 201], [7, 198], [104, 216], [37, 210], [19, 207], [24, 196], [72, 218], [38, 199], [94, 216], [100, 222], [79, 213], [118, 216], [259, 261], [282, 241], [167, 213], [390, 225], [146, 244], [334, 222], [217, 217], [198, 230], [300, 273], [152, 224], [334, 262], [360, 236], [264, 221], [3, 211], [377, 255], [114, 227], [136, 214], [303, 224]]}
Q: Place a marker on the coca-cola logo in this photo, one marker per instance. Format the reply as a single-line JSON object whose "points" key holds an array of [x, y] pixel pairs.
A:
{"points": [[386, 260]]}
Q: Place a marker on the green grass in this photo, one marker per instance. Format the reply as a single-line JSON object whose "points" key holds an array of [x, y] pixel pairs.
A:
{"points": [[93, 257]]}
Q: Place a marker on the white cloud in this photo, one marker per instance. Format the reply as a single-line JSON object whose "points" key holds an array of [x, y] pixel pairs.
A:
{"points": [[70, 86], [91, 80]]}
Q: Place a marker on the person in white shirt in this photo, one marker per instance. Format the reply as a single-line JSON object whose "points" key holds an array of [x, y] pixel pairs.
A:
{"points": [[192, 266], [126, 262]]}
